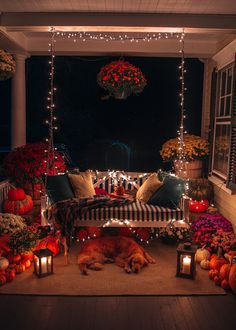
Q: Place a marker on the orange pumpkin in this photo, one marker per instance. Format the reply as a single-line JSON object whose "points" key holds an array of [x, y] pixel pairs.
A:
{"points": [[218, 261], [18, 207], [13, 258], [16, 194], [10, 275], [27, 256], [20, 268], [27, 263], [232, 278], [224, 271]]}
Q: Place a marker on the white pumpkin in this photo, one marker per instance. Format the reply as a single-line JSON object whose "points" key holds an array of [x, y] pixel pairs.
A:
{"points": [[205, 264], [202, 254], [4, 263]]}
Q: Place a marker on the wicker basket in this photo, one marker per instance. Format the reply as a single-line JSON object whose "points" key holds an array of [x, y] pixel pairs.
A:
{"points": [[192, 170]]}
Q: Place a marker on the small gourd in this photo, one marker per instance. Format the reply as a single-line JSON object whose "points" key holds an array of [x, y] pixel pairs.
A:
{"points": [[4, 263], [205, 264], [232, 278], [202, 254]]}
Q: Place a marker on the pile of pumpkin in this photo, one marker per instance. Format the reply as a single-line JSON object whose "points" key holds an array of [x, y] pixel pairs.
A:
{"points": [[14, 264], [221, 268], [18, 202]]}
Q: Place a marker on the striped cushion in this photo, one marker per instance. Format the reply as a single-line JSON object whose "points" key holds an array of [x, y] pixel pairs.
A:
{"points": [[133, 212]]}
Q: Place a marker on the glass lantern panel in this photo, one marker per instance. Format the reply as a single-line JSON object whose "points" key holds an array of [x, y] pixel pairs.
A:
{"points": [[185, 264]]}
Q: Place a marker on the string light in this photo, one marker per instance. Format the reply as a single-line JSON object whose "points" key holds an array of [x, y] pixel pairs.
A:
{"points": [[117, 36], [181, 162]]}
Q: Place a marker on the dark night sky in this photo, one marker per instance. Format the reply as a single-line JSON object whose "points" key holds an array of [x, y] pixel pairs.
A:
{"points": [[89, 125]]}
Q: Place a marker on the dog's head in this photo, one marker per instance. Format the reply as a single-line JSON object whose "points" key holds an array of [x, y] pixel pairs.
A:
{"points": [[137, 262]]}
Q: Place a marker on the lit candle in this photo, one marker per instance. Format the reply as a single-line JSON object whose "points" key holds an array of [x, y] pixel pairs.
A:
{"points": [[44, 265], [186, 264]]}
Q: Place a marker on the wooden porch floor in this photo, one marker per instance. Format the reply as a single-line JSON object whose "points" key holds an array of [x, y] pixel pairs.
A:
{"points": [[117, 313]]}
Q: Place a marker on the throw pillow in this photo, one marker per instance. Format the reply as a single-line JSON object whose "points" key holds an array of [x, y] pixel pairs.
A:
{"points": [[58, 188], [169, 194], [82, 184], [148, 188]]}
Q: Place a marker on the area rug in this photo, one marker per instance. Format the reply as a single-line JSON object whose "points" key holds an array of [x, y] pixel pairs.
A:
{"points": [[158, 279]]}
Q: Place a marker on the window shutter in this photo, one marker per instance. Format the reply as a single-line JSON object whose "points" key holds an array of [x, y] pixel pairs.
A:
{"points": [[212, 115], [231, 182]]}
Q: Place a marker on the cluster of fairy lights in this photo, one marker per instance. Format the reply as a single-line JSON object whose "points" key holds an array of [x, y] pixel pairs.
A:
{"points": [[181, 148], [51, 121], [114, 36]]}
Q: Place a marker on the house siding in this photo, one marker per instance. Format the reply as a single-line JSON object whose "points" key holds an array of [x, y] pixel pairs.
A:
{"points": [[225, 202]]}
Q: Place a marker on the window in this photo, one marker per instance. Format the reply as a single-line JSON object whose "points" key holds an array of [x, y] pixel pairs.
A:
{"points": [[222, 123], [223, 127]]}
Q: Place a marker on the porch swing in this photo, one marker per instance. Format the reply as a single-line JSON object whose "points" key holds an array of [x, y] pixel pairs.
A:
{"points": [[89, 212]]}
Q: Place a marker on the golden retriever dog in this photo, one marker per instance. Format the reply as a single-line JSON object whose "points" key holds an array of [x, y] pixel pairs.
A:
{"points": [[124, 251]]}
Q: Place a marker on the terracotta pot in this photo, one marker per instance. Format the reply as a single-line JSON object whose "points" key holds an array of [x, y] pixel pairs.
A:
{"points": [[121, 95], [191, 170]]}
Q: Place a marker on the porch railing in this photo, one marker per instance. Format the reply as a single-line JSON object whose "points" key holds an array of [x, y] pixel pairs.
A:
{"points": [[5, 186]]}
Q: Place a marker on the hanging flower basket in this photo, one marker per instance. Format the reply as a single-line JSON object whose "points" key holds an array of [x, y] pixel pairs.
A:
{"points": [[7, 65], [121, 79]]}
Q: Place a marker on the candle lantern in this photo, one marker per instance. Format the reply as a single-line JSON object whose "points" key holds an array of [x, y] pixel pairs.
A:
{"points": [[43, 262], [186, 266]]}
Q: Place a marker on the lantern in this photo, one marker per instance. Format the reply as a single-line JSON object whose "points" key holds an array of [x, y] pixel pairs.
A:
{"points": [[186, 266], [43, 262]]}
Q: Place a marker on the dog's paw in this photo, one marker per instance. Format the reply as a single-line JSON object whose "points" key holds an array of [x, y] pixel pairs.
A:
{"points": [[127, 270]]}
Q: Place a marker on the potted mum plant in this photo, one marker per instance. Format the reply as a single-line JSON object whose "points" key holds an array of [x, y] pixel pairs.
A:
{"points": [[121, 79], [7, 65], [26, 166], [196, 149]]}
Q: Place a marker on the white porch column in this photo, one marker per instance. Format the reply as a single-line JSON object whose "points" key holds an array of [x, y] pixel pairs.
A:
{"points": [[18, 103]]}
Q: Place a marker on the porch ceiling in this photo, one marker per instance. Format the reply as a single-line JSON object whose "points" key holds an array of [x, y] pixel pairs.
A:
{"points": [[210, 25]]}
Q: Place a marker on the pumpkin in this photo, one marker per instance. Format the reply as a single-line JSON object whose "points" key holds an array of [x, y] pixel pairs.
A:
{"points": [[13, 258], [2, 279], [232, 278], [217, 262], [27, 263], [18, 207], [10, 275], [94, 231], [224, 271], [202, 254], [212, 273], [225, 285], [16, 194], [4, 263], [27, 256], [205, 264], [201, 189], [198, 206], [218, 280], [20, 268]]}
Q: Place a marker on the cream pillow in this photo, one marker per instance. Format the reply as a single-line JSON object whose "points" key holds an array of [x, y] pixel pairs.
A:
{"points": [[148, 188], [82, 184]]}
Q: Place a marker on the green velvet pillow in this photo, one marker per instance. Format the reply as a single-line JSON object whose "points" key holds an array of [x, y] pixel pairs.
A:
{"points": [[170, 193], [59, 188]]}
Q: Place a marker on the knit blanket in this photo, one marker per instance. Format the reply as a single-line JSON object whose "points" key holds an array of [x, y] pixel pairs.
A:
{"points": [[63, 214]]}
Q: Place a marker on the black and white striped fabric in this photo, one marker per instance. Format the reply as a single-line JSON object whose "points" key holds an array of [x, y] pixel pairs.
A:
{"points": [[134, 212]]}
